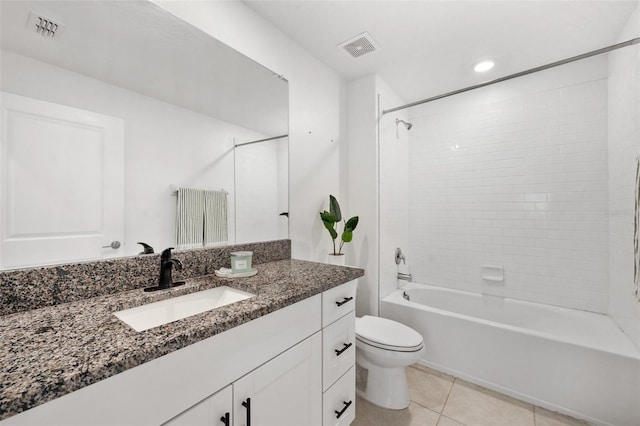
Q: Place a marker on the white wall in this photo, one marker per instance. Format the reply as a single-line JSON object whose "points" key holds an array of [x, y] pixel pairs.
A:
{"points": [[164, 144], [378, 188], [624, 147], [515, 175], [283, 187], [363, 190], [261, 191], [316, 110], [394, 190]]}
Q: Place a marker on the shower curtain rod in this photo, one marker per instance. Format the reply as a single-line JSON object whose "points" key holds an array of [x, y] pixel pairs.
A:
{"points": [[261, 140], [519, 74]]}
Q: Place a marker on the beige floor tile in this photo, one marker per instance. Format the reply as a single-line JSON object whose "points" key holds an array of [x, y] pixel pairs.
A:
{"points": [[475, 406], [368, 414], [432, 371], [550, 418], [428, 388], [446, 421]]}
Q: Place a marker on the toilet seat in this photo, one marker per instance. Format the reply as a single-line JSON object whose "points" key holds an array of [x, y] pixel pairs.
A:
{"points": [[388, 335], [384, 348]]}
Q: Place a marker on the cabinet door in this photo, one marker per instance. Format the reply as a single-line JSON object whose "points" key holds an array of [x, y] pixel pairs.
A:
{"points": [[286, 391], [213, 411]]}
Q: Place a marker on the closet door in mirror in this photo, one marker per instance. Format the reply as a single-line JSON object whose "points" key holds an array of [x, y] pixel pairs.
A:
{"points": [[61, 183]]}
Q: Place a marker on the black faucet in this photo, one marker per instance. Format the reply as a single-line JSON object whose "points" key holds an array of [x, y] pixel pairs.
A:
{"points": [[166, 267]]}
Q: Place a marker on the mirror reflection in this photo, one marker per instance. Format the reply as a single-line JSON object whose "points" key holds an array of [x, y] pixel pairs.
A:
{"points": [[262, 176], [111, 111]]}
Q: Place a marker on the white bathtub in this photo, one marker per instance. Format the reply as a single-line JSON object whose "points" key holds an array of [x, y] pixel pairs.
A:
{"points": [[570, 361]]}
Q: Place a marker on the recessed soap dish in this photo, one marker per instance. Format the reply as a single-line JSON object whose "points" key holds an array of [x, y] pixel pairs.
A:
{"points": [[492, 273]]}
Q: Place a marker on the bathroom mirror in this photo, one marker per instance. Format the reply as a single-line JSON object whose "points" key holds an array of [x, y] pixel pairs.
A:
{"points": [[108, 108]]}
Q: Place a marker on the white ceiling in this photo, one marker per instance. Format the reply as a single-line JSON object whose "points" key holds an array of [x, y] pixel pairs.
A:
{"points": [[430, 47]]}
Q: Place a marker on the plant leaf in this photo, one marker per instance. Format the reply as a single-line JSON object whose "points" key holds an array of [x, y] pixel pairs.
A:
{"points": [[334, 208], [328, 217], [347, 236], [328, 220], [333, 232], [351, 224]]}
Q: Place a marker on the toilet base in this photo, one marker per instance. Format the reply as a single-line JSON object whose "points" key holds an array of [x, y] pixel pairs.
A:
{"points": [[386, 387]]}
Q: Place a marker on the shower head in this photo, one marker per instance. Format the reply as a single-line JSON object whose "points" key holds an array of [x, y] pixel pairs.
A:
{"points": [[407, 125]]}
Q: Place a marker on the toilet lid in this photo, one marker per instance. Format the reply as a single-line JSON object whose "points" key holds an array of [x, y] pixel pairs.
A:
{"points": [[386, 334]]}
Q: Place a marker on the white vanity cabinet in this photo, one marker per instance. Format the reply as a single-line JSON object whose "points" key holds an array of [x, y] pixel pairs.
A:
{"points": [[284, 391], [338, 349], [215, 410], [312, 383], [292, 367], [339, 355], [338, 402]]}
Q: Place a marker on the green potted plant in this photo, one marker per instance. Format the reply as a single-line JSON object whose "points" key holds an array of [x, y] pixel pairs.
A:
{"points": [[330, 219]]}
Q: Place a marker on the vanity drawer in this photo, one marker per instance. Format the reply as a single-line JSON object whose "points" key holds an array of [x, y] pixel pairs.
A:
{"points": [[338, 349], [339, 402], [338, 302]]}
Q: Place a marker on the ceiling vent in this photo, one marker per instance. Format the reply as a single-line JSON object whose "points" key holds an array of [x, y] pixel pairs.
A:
{"points": [[44, 26], [360, 45]]}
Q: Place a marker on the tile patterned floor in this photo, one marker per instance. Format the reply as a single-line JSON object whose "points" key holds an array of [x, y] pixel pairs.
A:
{"points": [[443, 400]]}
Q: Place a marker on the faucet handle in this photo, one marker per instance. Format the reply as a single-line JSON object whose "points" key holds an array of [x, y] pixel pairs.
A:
{"points": [[399, 256], [147, 249]]}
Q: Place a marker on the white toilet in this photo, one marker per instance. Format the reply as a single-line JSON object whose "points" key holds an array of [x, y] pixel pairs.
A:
{"points": [[385, 348]]}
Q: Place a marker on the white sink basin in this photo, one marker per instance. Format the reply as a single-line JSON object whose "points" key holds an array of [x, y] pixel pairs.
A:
{"points": [[158, 313]]}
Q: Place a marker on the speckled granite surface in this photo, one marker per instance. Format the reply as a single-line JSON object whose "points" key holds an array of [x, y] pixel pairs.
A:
{"points": [[48, 352], [25, 289]]}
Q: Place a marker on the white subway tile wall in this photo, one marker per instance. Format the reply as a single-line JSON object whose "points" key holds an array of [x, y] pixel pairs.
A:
{"points": [[519, 182]]}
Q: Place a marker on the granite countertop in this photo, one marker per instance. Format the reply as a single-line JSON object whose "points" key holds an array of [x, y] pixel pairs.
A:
{"points": [[49, 352]]}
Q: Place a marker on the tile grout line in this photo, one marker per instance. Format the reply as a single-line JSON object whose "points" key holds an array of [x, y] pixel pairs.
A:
{"points": [[441, 412], [429, 408], [447, 399]]}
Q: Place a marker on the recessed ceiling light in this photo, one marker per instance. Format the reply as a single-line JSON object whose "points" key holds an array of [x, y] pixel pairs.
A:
{"points": [[483, 66]]}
